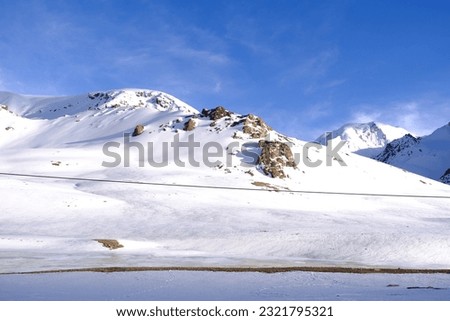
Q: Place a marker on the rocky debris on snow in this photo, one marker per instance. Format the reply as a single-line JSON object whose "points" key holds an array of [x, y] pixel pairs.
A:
{"points": [[9, 128], [275, 156], [164, 102], [5, 107], [56, 163], [110, 244], [250, 172], [189, 125], [446, 177], [143, 93], [139, 129], [100, 95]]}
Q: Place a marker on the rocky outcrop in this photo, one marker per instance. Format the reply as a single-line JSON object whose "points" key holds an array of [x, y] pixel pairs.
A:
{"points": [[275, 156], [5, 107], [216, 113], [139, 129], [255, 127], [397, 146], [190, 125], [446, 177]]}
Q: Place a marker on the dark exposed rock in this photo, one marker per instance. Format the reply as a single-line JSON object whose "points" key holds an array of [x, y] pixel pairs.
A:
{"points": [[216, 113], [274, 157], [236, 135], [446, 177], [189, 125], [204, 112], [255, 127], [397, 146], [98, 95], [5, 107], [139, 129], [143, 94], [234, 124]]}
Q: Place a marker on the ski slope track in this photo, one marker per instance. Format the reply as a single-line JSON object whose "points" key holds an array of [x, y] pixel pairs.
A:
{"points": [[51, 223]]}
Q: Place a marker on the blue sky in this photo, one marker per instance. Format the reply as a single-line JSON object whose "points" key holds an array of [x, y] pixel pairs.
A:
{"points": [[304, 66]]}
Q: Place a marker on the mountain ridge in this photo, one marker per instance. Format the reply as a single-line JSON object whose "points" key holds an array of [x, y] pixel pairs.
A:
{"points": [[427, 155], [366, 139]]}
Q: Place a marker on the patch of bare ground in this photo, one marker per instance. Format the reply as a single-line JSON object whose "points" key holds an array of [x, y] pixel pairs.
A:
{"points": [[110, 244], [269, 186], [327, 269]]}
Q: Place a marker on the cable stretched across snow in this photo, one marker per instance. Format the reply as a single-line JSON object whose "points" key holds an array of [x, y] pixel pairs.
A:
{"points": [[103, 180]]}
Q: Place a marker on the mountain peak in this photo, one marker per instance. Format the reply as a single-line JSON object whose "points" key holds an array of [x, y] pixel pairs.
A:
{"points": [[364, 138], [428, 155]]}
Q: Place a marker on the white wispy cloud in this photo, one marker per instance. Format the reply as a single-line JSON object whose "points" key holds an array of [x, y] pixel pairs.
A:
{"points": [[420, 116], [180, 58], [312, 71]]}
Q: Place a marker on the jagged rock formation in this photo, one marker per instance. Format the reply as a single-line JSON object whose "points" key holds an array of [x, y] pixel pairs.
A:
{"points": [[255, 127], [216, 113], [397, 146], [427, 155], [275, 156]]}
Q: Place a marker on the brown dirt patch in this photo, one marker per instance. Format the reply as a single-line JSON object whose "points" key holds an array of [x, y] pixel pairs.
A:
{"points": [[330, 269], [110, 244]]}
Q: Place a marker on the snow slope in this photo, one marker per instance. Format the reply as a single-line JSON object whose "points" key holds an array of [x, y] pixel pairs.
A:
{"points": [[52, 223], [367, 139], [428, 156]]}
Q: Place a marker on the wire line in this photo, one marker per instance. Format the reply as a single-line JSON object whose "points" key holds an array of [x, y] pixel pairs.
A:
{"points": [[102, 180]]}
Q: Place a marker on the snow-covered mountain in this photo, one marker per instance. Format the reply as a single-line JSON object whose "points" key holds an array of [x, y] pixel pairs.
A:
{"points": [[428, 155], [367, 139], [324, 213]]}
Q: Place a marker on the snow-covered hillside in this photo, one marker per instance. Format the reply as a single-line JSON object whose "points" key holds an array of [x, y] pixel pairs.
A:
{"points": [[268, 214], [367, 139], [428, 155]]}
